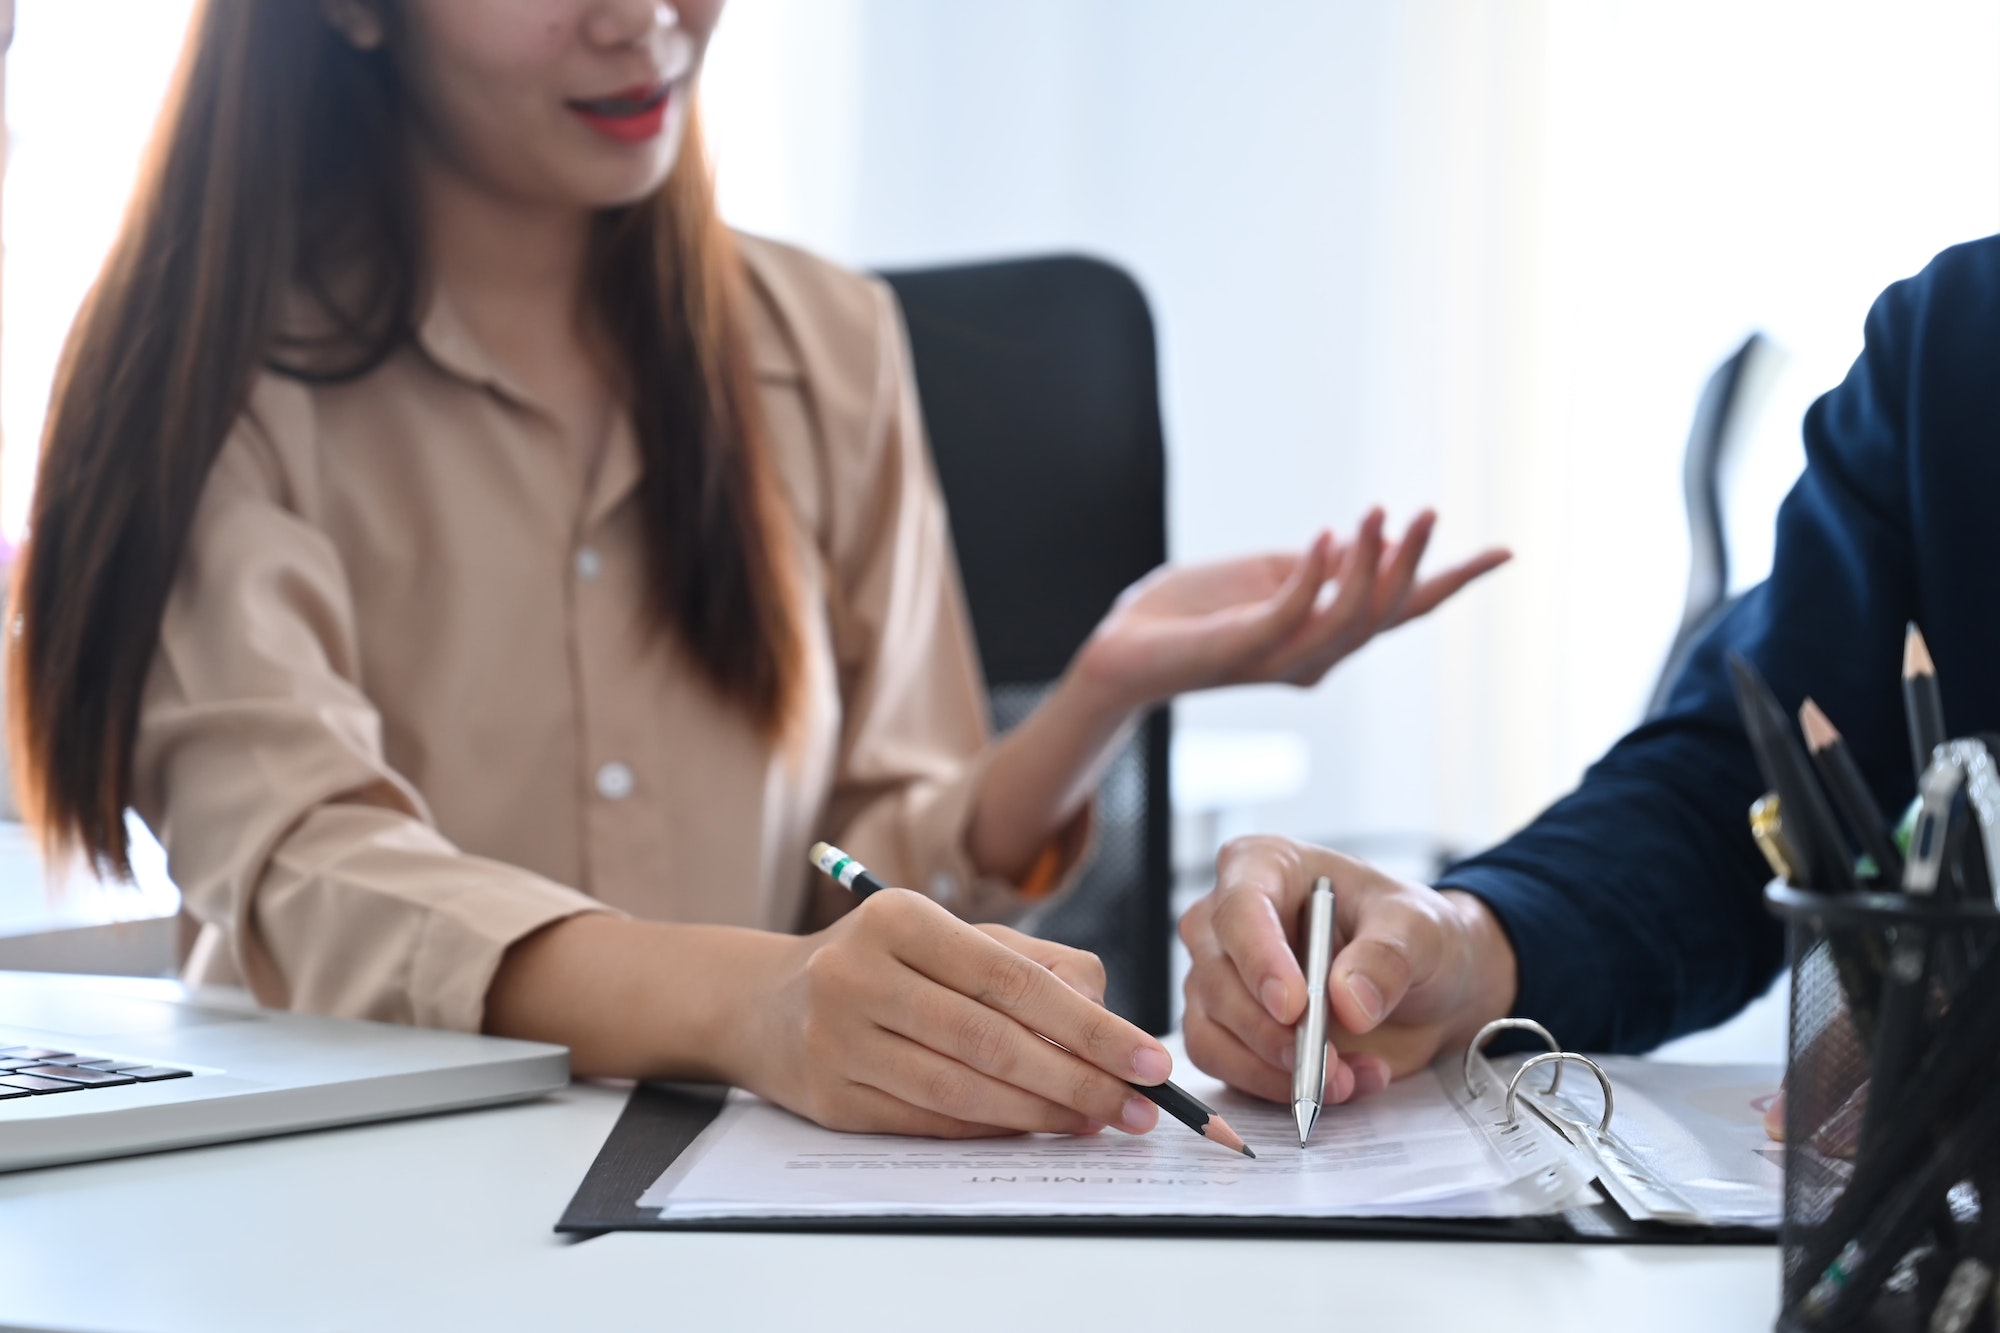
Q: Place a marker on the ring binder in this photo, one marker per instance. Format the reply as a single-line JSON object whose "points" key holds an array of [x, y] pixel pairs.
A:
{"points": [[1560, 1058], [1556, 1056], [1498, 1025], [1639, 1180]]}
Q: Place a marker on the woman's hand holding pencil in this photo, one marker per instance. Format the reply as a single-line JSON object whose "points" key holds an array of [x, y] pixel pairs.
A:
{"points": [[902, 1019], [1009, 987]]}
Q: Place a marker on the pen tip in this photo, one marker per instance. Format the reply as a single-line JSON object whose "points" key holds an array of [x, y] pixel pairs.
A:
{"points": [[1306, 1113], [1245, 1150]]}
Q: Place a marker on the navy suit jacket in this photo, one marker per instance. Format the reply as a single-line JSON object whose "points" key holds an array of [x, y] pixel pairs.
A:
{"points": [[1634, 904]]}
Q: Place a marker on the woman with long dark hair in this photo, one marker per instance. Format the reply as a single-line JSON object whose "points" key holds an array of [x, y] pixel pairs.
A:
{"points": [[487, 575]]}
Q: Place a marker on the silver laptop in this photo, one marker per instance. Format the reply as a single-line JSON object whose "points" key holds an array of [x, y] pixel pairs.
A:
{"points": [[105, 1066]]}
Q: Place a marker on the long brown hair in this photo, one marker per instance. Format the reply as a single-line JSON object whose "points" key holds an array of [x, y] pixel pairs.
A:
{"points": [[277, 171]]}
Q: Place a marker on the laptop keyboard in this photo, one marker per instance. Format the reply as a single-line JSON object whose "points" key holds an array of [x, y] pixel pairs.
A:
{"points": [[27, 1071]]}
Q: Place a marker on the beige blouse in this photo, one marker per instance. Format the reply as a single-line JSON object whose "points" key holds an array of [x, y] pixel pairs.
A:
{"points": [[407, 708]]}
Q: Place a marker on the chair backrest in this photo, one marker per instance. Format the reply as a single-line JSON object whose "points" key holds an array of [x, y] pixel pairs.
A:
{"points": [[1718, 419], [1041, 396]]}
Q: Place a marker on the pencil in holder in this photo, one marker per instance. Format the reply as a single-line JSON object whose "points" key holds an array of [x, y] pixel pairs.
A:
{"points": [[1892, 1113]]}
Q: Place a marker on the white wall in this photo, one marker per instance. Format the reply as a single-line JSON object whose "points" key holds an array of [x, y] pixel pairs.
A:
{"points": [[1481, 255], [1713, 168]]}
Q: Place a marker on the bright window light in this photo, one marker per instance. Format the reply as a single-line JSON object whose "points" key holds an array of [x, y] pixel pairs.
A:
{"points": [[84, 83]]}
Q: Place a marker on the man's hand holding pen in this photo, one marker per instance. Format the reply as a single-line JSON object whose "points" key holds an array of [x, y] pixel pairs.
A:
{"points": [[1416, 970]]}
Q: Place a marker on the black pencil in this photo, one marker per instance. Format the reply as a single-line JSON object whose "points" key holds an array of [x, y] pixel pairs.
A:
{"points": [[1850, 792], [1821, 850], [1923, 706], [1183, 1106], [1922, 1104], [1196, 1114], [1856, 1276]]}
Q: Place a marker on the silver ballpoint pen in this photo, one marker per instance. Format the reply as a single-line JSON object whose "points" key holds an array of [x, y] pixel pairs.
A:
{"points": [[1309, 1062]]}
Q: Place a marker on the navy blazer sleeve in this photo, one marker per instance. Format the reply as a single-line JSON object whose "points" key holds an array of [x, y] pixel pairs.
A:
{"points": [[1634, 904]]}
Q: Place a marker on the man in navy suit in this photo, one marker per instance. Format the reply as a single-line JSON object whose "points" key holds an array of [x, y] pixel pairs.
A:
{"points": [[1630, 911]]}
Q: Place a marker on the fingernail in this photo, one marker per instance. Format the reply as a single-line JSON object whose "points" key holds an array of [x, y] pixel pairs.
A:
{"points": [[1367, 995], [1273, 996], [1289, 1057], [1369, 1079], [1139, 1115], [1150, 1066]]}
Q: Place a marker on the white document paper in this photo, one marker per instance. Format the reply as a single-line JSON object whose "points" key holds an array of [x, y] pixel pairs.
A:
{"points": [[1413, 1150]]}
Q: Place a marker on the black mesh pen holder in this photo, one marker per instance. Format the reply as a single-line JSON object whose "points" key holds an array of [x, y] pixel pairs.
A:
{"points": [[1892, 1113]]}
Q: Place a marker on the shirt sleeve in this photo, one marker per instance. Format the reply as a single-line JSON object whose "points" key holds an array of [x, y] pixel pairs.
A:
{"points": [[259, 763], [1635, 904], [915, 740]]}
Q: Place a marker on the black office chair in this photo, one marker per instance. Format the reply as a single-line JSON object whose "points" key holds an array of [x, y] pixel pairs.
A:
{"points": [[1726, 402], [1040, 392]]}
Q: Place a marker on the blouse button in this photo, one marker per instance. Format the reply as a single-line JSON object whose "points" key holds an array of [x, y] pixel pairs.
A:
{"points": [[614, 782], [589, 564]]}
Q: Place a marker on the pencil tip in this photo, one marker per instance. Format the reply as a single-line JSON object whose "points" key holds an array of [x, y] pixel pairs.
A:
{"points": [[1819, 728], [1916, 654], [1217, 1130]]}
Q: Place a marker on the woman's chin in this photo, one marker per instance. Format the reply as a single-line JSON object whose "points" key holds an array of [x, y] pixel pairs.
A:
{"points": [[622, 174], [600, 185]]}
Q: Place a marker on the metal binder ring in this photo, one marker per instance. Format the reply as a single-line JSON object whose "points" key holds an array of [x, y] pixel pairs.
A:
{"points": [[1485, 1035], [1561, 1057]]}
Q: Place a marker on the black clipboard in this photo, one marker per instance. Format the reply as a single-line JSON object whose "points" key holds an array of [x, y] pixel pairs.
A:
{"points": [[660, 1121]]}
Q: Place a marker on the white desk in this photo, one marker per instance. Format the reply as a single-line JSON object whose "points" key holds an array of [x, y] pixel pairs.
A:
{"points": [[77, 923], [444, 1223]]}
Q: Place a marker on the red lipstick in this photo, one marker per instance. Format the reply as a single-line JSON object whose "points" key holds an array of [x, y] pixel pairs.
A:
{"points": [[631, 115]]}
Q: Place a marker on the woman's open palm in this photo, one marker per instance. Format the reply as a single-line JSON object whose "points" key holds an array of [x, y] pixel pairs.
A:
{"points": [[1264, 618]]}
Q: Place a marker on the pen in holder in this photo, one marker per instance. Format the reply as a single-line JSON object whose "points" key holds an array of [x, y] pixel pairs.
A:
{"points": [[1892, 1089]]}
